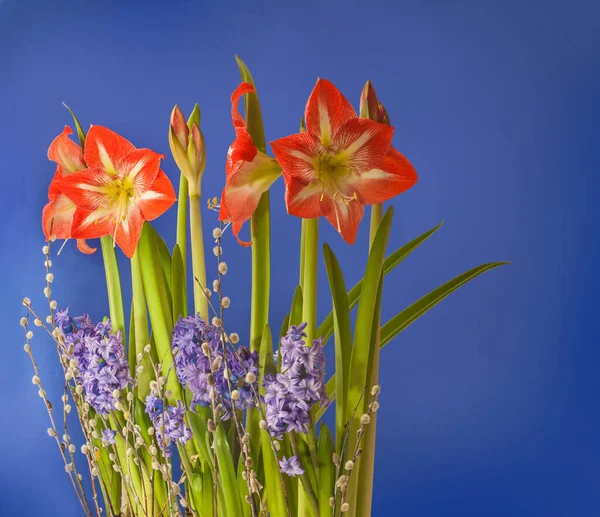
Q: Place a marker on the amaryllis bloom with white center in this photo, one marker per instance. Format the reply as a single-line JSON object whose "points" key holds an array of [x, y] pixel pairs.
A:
{"points": [[248, 172], [57, 216], [340, 163], [121, 188]]}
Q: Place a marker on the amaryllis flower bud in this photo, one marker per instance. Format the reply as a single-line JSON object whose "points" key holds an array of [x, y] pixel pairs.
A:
{"points": [[187, 146], [369, 104], [370, 107]]}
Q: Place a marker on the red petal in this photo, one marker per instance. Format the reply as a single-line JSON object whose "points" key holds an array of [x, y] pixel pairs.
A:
{"points": [[84, 248], [90, 225], [158, 199], [303, 199], [180, 126], [345, 217], [57, 217], [392, 177], [244, 186], [326, 111], [66, 153], [129, 231], [105, 149], [235, 228], [141, 167], [363, 143], [242, 148], [296, 155], [53, 189], [241, 90], [86, 188]]}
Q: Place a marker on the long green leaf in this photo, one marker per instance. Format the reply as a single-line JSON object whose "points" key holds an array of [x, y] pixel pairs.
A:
{"points": [[417, 309], [140, 321], [296, 310], [160, 311], [254, 123], [165, 261], [361, 349], [325, 330], [80, 132], [113, 284], [227, 473], [343, 337], [326, 473], [414, 311]]}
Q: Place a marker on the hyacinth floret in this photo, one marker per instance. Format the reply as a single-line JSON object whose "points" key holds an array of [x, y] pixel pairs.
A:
{"points": [[193, 366], [290, 394], [169, 424], [102, 366]]}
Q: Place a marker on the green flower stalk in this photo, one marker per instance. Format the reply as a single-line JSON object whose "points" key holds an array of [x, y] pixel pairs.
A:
{"points": [[187, 146]]}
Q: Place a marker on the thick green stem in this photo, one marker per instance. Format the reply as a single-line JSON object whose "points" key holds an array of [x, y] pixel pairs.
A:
{"points": [[302, 252], [309, 293], [376, 217], [309, 260], [182, 203], [366, 467], [198, 264], [260, 230], [113, 285]]}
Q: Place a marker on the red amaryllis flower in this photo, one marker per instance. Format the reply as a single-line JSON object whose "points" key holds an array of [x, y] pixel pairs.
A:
{"points": [[248, 171], [57, 216], [340, 163], [121, 188]]}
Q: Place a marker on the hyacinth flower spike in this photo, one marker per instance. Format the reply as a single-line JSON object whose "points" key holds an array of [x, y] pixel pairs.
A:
{"points": [[57, 216], [121, 188], [340, 163], [248, 172]]}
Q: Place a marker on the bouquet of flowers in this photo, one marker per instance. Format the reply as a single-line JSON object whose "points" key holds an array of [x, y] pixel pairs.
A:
{"points": [[176, 416]]}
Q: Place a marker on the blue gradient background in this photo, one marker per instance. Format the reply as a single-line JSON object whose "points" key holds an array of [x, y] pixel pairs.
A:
{"points": [[490, 404]]}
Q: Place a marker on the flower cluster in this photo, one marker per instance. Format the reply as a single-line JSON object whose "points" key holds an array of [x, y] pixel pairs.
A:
{"points": [[101, 364], [169, 424], [198, 351], [301, 383]]}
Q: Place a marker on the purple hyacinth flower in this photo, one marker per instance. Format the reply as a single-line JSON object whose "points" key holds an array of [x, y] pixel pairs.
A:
{"points": [[291, 467], [108, 437]]}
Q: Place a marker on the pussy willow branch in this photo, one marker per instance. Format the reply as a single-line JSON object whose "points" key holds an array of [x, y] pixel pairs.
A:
{"points": [[244, 445], [218, 252]]}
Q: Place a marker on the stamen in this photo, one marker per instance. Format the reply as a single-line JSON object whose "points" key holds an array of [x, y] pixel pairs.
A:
{"points": [[63, 245]]}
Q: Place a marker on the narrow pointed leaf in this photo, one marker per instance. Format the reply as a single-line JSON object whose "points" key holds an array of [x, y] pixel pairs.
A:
{"points": [[113, 285], [165, 261], [325, 330], [254, 123], [161, 316], [343, 337], [417, 309], [227, 475], [361, 349], [414, 311], [78, 127], [326, 475], [296, 310]]}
